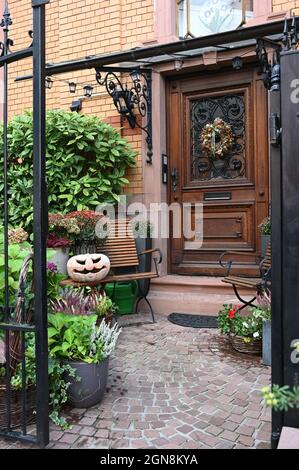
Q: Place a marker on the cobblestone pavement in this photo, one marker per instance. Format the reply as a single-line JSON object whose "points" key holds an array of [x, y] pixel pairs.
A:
{"points": [[173, 388]]}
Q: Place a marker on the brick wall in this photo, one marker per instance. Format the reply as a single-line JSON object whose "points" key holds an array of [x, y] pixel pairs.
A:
{"points": [[283, 5], [75, 29]]}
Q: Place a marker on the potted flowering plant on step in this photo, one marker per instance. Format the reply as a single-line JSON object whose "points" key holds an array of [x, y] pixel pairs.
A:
{"points": [[244, 332], [61, 233]]}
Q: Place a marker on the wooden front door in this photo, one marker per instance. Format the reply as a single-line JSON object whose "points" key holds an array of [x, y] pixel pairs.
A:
{"points": [[233, 189]]}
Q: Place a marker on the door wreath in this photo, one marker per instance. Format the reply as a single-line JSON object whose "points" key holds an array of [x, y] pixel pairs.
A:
{"points": [[217, 138]]}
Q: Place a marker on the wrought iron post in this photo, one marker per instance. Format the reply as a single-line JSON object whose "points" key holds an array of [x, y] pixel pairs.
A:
{"points": [[40, 212], [290, 223], [276, 218], [5, 23]]}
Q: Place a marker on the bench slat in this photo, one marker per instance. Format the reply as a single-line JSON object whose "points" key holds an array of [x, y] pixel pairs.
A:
{"points": [[116, 278]]}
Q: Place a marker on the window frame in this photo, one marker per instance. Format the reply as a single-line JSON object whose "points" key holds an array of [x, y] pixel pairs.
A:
{"points": [[189, 34]]}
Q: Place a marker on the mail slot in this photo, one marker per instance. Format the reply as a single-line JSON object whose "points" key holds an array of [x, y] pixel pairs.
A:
{"points": [[218, 196]]}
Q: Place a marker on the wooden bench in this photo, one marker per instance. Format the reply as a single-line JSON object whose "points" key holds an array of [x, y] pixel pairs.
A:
{"points": [[258, 284], [120, 247]]}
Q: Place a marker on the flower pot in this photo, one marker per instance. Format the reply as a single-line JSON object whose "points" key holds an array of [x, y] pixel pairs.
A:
{"points": [[84, 247], [61, 258], [123, 295], [241, 345], [267, 343], [91, 388], [265, 240]]}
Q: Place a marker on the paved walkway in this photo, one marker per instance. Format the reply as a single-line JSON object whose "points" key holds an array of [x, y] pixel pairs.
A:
{"points": [[177, 388]]}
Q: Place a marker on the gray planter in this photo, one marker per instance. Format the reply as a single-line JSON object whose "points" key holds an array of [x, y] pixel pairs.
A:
{"points": [[91, 388], [265, 240], [267, 343], [61, 258]]}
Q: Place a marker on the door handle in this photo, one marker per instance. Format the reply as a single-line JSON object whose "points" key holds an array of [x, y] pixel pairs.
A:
{"points": [[175, 179]]}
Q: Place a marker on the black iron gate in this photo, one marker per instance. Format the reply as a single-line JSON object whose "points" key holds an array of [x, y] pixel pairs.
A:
{"points": [[284, 140], [23, 403]]}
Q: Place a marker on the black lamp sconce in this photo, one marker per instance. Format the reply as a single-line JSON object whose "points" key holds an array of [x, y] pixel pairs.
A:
{"points": [[72, 87], [130, 98], [76, 106], [49, 83], [88, 91], [237, 63]]}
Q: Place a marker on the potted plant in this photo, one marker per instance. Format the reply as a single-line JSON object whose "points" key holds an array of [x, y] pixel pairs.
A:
{"points": [[244, 332], [83, 301], [54, 278], [263, 310], [265, 229], [61, 233], [79, 342], [86, 240], [105, 309]]}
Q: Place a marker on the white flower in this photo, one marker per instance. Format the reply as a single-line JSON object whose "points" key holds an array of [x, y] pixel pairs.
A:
{"points": [[256, 334]]}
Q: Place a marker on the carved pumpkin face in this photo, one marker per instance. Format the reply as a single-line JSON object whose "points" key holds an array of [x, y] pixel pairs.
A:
{"points": [[88, 268]]}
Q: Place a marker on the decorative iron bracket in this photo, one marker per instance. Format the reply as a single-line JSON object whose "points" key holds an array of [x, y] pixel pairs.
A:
{"points": [[6, 22], [271, 70], [129, 98]]}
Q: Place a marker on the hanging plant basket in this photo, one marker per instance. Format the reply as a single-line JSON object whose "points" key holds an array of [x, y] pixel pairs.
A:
{"points": [[17, 406], [246, 345]]}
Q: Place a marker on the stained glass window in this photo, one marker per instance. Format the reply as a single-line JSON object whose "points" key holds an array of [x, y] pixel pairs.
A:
{"points": [[204, 17]]}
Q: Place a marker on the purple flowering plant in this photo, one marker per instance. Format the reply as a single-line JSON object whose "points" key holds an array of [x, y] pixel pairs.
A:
{"points": [[54, 279]]}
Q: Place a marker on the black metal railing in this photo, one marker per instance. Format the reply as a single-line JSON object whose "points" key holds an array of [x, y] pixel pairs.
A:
{"points": [[22, 402]]}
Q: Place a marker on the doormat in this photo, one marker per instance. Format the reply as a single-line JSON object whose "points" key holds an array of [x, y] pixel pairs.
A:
{"points": [[193, 321]]}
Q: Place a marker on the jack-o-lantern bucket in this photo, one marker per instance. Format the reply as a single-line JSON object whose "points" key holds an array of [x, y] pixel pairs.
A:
{"points": [[88, 267]]}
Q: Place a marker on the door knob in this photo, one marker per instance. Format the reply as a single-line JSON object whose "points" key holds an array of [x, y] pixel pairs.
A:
{"points": [[262, 193]]}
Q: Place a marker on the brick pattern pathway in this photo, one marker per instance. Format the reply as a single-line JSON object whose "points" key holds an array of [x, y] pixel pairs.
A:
{"points": [[173, 388]]}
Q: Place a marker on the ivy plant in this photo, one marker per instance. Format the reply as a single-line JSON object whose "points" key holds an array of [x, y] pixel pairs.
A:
{"points": [[86, 161]]}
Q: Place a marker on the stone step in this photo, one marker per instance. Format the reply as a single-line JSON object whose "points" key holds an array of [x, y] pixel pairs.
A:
{"points": [[192, 294], [289, 438]]}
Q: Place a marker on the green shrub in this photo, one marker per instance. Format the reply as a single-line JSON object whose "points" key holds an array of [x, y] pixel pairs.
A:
{"points": [[86, 164]]}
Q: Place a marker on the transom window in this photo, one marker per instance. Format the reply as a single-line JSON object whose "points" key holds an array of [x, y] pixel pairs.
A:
{"points": [[203, 17]]}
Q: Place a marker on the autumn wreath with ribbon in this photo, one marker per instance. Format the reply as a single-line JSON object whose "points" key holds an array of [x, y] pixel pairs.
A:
{"points": [[217, 138]]}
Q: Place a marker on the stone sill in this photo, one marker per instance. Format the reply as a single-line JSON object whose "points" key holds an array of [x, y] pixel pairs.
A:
{"points": [[289, 438]]}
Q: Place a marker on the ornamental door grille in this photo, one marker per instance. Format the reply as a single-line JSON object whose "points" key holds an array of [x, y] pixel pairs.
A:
{"points": [[232, 165]]}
